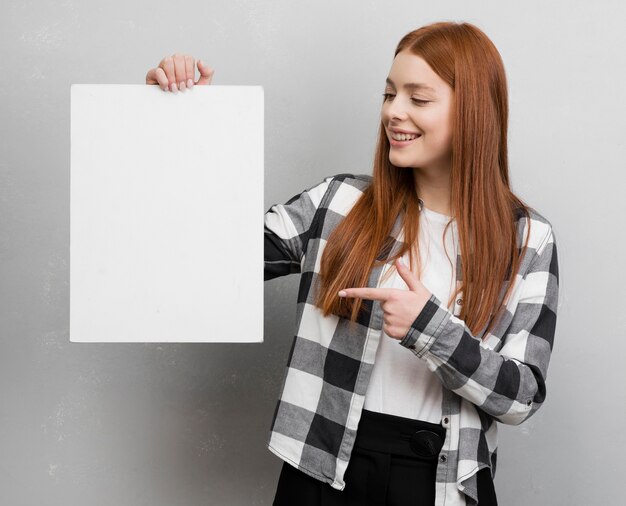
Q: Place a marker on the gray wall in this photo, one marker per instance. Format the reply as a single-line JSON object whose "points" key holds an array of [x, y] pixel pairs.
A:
{"points": [[185, 424]]}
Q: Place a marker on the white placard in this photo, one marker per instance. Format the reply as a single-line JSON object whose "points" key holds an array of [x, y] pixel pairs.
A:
{"points": [[166, 212]]}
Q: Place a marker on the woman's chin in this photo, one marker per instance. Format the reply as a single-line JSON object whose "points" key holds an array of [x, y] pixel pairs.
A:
{"points": [[401, 161]]}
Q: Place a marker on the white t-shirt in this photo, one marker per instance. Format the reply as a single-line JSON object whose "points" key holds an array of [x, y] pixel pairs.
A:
{"points": [[401, 383]]}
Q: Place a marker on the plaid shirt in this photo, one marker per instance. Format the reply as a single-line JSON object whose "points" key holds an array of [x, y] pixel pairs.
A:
{"points": [[501, 379]]}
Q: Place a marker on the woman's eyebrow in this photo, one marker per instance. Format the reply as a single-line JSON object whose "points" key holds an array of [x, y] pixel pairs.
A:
{"points": [[413, 86]]}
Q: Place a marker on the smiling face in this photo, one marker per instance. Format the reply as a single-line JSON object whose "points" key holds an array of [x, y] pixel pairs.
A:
{"points": [[417, 100]]}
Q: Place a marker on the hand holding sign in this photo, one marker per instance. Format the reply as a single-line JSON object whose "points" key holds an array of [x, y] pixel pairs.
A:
{"points": [[177, 73], [400, 307]]}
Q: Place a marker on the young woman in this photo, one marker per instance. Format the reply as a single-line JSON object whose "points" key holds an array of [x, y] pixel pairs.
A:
{"points": [[432, 252]]}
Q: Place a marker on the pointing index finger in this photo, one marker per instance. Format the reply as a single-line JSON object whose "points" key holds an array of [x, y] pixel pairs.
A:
{"points": [[366, 293]]}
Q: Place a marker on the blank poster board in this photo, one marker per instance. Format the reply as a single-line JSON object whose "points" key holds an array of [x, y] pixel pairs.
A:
{"points": [[166, 212]]}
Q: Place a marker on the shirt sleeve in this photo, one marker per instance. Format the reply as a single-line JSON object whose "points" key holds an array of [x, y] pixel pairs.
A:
{"points": [[287, 228], [509, 384]]}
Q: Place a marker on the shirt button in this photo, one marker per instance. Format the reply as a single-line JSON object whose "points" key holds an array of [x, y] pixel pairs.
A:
{"points": [[412, 347], [445, 420], [459, 301], [443, 458], [529, 402]]}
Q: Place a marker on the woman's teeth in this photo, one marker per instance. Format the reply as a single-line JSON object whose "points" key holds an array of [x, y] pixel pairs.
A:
{"points": [[404, 137]]}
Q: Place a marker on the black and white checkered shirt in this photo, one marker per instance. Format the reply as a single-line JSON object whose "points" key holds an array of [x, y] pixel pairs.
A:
{"points": [[501, 379]]}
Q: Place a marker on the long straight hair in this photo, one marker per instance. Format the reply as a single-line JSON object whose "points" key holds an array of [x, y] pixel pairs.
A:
{"points": [[482, 202]]}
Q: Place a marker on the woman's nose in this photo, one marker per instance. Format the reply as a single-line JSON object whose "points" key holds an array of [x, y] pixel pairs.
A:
{"points": [[396, 110]]}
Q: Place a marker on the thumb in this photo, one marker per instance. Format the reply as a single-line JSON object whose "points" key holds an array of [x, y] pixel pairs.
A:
{"points": [[206, 73], [408, 276]]}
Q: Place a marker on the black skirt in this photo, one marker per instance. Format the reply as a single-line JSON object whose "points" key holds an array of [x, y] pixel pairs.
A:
{"points": [[393, 463]]}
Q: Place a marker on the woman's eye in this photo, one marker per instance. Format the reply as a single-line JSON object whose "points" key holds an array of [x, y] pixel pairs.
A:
{"points": [[416, 100]]}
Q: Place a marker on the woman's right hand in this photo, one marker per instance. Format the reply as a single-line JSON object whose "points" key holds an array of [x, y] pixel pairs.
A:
{"points": [[177, 72]]}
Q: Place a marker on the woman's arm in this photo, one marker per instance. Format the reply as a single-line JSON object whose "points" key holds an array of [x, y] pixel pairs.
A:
{"points": [[508, 384], [287, 229]]}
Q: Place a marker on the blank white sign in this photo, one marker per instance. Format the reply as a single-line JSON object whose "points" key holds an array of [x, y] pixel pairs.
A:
{"points": [[166, 212]]}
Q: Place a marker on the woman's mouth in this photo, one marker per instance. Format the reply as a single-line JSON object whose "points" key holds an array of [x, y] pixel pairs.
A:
{"points": [[402, 140]]}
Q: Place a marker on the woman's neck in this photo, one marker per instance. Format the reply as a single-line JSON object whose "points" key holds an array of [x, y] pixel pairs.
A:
{"points": [[433, 187]]}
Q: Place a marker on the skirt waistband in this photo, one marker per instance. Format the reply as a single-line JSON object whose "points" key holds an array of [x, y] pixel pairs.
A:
{"points": [[382, 432]]}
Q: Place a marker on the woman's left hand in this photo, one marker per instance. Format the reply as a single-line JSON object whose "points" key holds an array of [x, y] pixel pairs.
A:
{"points": [[400, 307]]}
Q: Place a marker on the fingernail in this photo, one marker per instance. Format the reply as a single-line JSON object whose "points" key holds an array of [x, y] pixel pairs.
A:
{"points": [[189, 83], [174, 87], [181, 86], [342, 293]]}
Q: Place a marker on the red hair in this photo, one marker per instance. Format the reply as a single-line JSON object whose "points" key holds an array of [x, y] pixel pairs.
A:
{"points": [[481, 200]]}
